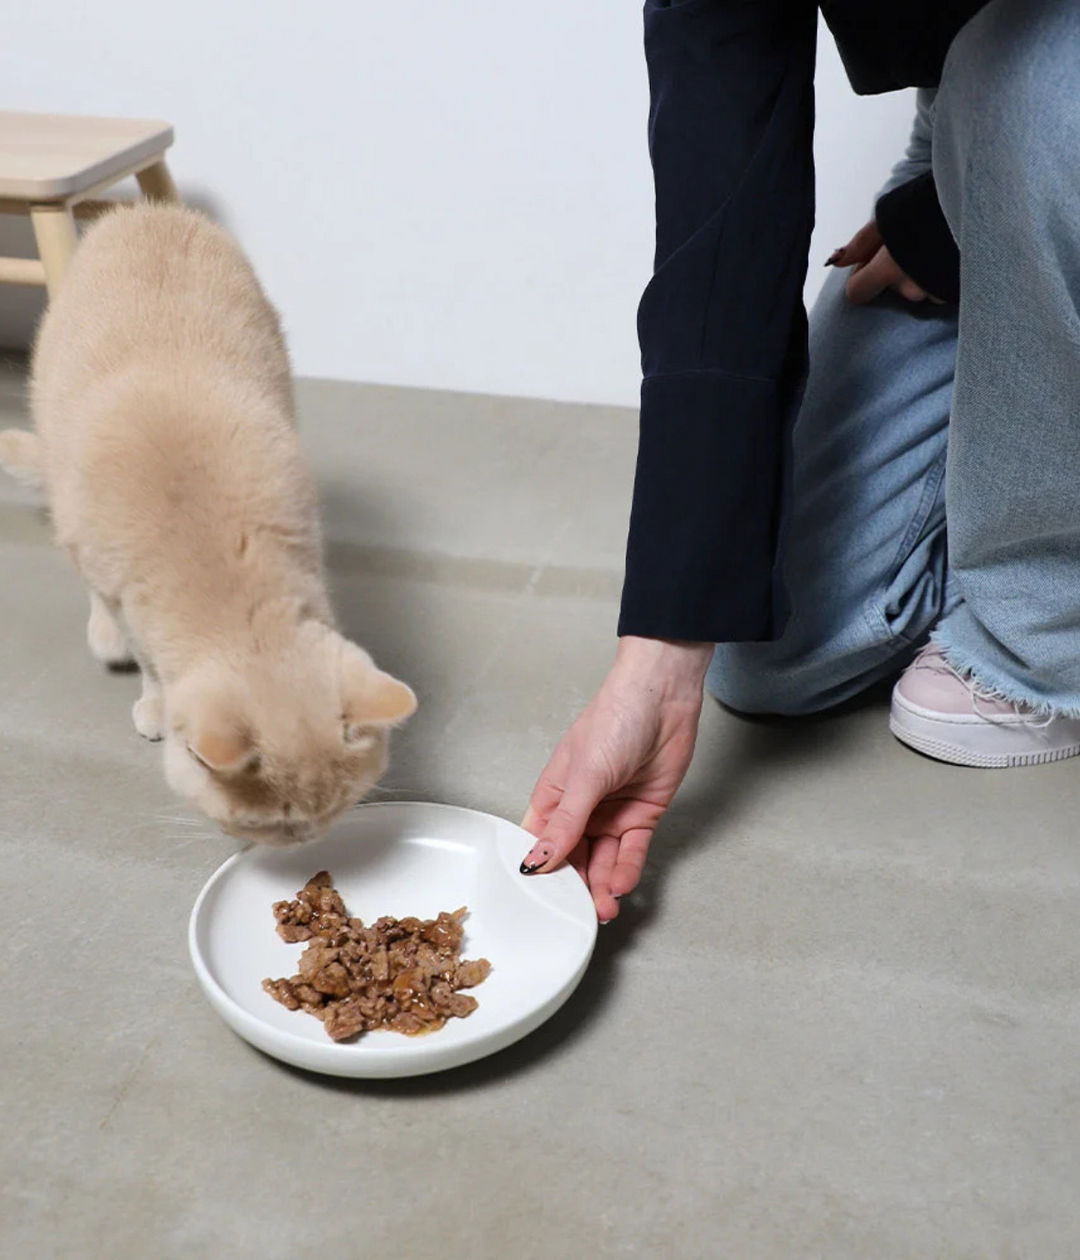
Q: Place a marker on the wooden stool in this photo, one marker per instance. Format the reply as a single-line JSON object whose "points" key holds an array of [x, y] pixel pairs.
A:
{"points": [[54, 168]]}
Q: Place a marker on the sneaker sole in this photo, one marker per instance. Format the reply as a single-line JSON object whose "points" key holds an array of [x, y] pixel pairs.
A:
{"points": [[965, 742]]}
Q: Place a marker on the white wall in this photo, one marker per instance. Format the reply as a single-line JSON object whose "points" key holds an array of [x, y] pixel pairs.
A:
{"points": [[435, 194]]}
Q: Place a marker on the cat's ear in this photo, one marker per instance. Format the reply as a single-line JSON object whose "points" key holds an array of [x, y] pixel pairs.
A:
{"points": [[371, 697], [222, 750], [208, 714]]}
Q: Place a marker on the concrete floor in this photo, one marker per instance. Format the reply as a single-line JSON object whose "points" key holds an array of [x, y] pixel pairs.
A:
{"points": [[839, 1020]]}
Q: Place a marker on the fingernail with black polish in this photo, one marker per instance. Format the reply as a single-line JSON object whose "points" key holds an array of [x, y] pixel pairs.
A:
{"points": [[534, 859], [834, 257]]}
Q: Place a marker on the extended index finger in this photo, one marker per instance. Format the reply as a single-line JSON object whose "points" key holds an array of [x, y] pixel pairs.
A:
{"points": [[860, 249], [563, 828], [547, 793]]}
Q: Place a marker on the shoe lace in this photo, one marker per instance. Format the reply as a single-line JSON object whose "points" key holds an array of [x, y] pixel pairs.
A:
{"points": [[988, 695]]}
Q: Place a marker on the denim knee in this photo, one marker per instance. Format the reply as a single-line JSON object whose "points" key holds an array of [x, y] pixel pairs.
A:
{"points": [[756, 687], [1008, 111], [764, 679], [740, 678]]}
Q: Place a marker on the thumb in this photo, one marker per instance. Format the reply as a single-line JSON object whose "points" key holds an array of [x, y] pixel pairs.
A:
{"points": [[865, 283], [561, 833]]}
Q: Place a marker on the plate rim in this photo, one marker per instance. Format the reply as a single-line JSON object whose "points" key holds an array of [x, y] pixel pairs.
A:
{"points": [[377, 1061]]}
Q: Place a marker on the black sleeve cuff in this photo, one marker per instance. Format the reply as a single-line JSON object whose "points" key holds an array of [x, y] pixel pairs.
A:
{"points": [[709, 496], [912, 225]]}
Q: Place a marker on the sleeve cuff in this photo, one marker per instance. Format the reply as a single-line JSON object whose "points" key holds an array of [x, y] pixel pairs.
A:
{"points": [[913, 226], [710, 497]]}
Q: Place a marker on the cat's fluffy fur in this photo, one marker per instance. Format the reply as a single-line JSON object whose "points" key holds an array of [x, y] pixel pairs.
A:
{"points": [[166, 442]]}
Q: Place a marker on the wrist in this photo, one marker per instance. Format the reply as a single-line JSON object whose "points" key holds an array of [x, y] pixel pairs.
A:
{"points": [[675, 664]]}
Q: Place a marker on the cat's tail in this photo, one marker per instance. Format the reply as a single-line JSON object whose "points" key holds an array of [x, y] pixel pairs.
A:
{"points": [[20, 455]]}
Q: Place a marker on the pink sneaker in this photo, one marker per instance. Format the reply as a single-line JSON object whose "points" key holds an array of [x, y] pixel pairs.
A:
{"points": [[949, 716]]}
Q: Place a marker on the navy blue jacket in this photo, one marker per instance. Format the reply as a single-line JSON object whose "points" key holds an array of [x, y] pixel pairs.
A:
{"points": [[721, 324]]}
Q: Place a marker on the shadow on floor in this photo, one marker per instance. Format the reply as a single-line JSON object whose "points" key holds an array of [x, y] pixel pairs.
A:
{"points": [[755, 751], [585, 1005], [752, 753]]}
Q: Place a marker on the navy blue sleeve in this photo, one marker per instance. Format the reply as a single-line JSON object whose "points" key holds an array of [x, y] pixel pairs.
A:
{"points": [[913, 226], [721, 325]]}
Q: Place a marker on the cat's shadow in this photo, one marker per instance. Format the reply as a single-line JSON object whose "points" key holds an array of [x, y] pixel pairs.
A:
{"points": [[387, 598]]}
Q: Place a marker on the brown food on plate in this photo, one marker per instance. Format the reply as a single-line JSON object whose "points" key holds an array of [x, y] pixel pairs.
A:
{"points": [[401, 974]]}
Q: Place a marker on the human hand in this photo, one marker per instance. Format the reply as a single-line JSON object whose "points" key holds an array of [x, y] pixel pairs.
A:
{"points": [[614, 772], [874, 269]]}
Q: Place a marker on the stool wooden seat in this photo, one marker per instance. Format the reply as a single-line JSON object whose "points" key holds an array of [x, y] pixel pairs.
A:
{"points": [[55, 168]]}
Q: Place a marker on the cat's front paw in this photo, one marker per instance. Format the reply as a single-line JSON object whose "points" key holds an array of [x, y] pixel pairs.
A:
{"points": [[149, 717]]}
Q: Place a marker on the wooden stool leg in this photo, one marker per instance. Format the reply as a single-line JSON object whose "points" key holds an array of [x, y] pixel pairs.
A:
{"points": [[54, 228], [157, 184]]}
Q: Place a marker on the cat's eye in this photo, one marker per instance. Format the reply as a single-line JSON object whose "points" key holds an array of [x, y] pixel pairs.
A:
{"points": [[201, 760], [252, 765]]}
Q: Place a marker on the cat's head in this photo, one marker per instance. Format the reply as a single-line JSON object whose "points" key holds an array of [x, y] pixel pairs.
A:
{"points": [[274, 747]]}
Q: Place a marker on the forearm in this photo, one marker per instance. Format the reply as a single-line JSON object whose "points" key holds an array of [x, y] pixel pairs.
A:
{"points": [[721, 324]]}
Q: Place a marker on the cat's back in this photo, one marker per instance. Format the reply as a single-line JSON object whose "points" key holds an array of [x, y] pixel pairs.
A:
{"points": [[157, 288], [162, 398]]}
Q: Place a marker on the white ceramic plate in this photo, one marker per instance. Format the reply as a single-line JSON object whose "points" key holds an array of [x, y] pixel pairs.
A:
{"points": [[399, 859]]}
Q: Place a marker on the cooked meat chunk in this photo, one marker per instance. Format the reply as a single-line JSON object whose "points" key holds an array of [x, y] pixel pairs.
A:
{"points": [[470, 974], [401, 974]]}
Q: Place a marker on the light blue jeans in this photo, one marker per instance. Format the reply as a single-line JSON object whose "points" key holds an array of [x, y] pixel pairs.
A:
{"points": [[937, 453]]}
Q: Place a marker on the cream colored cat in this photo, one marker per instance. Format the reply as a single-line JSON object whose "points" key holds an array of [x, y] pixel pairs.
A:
{"points": [[165, 440]]}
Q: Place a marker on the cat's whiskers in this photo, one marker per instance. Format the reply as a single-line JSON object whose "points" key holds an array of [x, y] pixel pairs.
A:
{"points": [[372, 793], [203, 833], [383, 789]]}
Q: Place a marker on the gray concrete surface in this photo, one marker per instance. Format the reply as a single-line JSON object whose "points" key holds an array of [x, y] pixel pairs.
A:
{"points": [[839, 1020]]}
